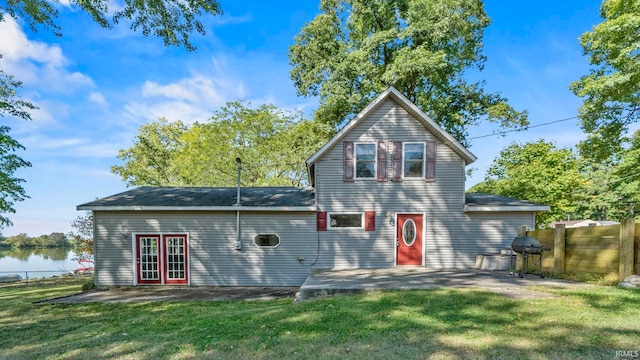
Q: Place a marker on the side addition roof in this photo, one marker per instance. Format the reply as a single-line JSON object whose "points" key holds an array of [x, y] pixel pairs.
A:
{"points": [[206, 199], [411, 108], [475, 202]]}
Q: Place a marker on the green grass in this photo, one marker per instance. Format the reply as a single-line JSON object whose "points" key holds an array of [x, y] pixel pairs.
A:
{"points": [[584, 323]]}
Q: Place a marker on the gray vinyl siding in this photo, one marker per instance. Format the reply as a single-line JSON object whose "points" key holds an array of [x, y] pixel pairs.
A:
{"points": [[213, 259], [471, 234], [437, 200], [452, 238]]}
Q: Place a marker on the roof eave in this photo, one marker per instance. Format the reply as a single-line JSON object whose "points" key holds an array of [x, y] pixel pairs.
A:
{"points": [[498, 208], [200, 208]]}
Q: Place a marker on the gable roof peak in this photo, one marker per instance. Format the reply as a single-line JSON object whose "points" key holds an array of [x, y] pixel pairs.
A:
{"points": [[393, 93]]}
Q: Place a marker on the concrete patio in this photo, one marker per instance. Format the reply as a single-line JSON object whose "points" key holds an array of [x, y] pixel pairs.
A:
{"points": [[334, 282], [331, 282]]}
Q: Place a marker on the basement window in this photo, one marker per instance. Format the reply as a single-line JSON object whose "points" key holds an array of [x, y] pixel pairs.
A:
{"points": [[266, 240]]}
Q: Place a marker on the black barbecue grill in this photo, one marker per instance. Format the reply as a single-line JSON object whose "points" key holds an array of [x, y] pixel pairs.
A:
{"points": [[528, 246]]}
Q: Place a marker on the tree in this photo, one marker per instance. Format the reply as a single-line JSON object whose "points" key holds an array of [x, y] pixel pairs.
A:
{"points": [[11, 189], [354, 49], [171, 20], [273, 145], [610, 91], [537, 172], [20, 240], [605, 195], [150, 160], [83, 235]]}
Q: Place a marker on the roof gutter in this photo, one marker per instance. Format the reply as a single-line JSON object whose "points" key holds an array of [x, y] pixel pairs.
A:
{"points": [[496, 208], [200, 208]]}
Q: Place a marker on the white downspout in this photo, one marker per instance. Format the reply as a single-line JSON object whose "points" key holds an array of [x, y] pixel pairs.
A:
{"points": [[238, 242]]}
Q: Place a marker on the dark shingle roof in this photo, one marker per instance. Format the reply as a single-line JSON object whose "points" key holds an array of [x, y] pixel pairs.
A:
{"points": [[179, 197], [482, 199]]}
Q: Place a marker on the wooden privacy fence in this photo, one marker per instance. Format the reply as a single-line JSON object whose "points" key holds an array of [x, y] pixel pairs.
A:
{"points": [[596, 249]]}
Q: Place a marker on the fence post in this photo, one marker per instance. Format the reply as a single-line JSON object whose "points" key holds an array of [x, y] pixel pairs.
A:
{"points": [[559, 236], [627, 229]]}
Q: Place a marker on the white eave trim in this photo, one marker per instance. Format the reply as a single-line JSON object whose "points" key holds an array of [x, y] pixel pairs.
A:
{"points": [[494, 208], [200, 208]]}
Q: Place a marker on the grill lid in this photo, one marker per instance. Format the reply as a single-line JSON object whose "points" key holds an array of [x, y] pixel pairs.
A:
{"points": [[525, 244]]}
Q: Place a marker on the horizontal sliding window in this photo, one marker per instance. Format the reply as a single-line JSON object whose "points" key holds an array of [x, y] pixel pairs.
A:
{"points": [[351, 220]]}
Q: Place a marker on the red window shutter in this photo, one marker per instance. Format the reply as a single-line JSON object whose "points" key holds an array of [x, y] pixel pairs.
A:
{"points": [[369, 220], [348, 161], [382, 161], [321, 217], [430, 170], [396, 161]]}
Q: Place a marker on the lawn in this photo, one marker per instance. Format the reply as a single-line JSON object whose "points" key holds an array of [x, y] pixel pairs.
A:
{"points": [[582, 323]]}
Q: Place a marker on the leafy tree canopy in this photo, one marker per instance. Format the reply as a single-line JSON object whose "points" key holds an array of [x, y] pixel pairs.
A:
{"points": [[83, 236], [151, 159], [610, 90], [273, 145], [354, 49], [171, 20], [55, 239], [11, 189], [538, 172]]}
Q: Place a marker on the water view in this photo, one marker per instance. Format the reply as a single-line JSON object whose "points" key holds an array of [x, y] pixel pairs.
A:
{"points": [[37, 262]]}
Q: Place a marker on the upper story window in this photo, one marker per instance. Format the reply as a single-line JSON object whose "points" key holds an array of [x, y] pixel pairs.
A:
{"points": [[413, 160], [365, 160]]}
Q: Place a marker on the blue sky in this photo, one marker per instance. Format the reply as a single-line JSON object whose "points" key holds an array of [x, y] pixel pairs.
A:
{"points": [[96, 87]]}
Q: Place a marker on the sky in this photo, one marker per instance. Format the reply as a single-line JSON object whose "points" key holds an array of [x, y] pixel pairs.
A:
{"points": [[95, 87]]}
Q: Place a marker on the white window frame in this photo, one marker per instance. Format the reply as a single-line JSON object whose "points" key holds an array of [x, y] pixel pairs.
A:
{"points": [[404, 158], [355, 161], [345, 227], [265, 246]]}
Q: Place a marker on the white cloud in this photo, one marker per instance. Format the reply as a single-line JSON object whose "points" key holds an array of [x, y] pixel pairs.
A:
{"points": [[172, 110], [189, 99], [39, 142], [98, 98], [199, 89], [36, 63], [227, 19]]}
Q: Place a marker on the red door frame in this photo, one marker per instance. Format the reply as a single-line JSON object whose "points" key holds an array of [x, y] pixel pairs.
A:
{"points": [[183, 270], [148, 270], [410, 254], [164, 271]]}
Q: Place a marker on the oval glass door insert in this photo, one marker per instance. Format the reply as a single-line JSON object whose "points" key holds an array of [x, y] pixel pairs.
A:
{"points": [[409, 232]]}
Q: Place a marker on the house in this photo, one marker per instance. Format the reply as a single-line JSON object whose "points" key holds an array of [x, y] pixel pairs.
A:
{"points": [[387, 190], [583, 223]]}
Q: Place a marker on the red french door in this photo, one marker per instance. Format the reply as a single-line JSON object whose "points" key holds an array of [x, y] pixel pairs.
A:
{"points": [[162, 259], [409, 239]]}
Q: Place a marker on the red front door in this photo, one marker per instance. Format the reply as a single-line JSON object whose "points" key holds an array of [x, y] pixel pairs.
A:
{"points": [[162, 259], [409, 239]]}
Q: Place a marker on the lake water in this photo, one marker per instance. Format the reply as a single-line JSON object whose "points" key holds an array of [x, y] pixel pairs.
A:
{"points": [[37, 263]]}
